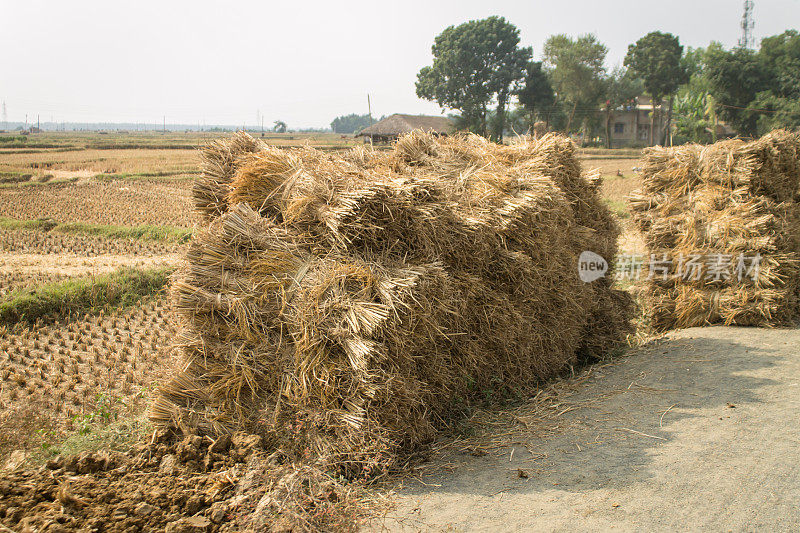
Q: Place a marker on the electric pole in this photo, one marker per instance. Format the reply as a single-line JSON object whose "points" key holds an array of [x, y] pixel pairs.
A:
{"points": [[5, 116], [369, 110], [748, 23]]}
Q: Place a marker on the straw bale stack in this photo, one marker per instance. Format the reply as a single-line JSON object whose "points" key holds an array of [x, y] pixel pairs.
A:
{"points": [[733, 206], [348, 305]]}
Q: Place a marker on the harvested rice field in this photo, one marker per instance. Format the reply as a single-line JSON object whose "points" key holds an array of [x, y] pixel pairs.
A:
{"points": [[23, 241], [99, 201], [33, 257], [224, 339], [64, 373]]}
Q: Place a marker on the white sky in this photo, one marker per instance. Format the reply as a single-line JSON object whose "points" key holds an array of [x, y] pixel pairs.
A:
{"points": [[303, 62]]}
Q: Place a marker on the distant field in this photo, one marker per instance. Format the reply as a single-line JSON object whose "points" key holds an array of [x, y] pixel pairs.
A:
{"points": [[175, 153], [140, 178], [163, 154], [155, 139]]}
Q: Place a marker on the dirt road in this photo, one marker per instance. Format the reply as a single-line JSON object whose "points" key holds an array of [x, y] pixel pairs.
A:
{"points": [[697, 431]]}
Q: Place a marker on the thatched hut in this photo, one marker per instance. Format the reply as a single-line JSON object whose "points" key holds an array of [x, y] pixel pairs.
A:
{"points": [[392, 127]]}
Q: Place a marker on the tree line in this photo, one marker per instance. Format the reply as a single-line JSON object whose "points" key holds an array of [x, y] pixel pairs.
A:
{"points": [[351, 123], [480, 71]]}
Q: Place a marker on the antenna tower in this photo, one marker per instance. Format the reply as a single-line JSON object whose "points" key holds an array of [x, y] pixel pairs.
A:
{"points": [[747, 40]]}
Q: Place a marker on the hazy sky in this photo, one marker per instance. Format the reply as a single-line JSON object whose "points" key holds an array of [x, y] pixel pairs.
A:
{"points": [[303, 62]]}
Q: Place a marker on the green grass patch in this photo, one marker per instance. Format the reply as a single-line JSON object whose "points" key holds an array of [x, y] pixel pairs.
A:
{"points": [[175, 175], [121, 434], [39, 149], [14, 177], [21, 178], [90, 294], [618, 207], [139, 146], [41, 224], [113, 424], [146, 232], [611, 153], [38, 182], [25, 146], [152, 233]]}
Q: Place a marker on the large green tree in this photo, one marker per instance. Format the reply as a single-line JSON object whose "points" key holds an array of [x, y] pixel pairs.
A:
{"points": [[695, 119], [475, 64], [656, 59], [536, 95], [775, 112], [735, 78], [576, 71], [777, 105], [780, 55], [756, 92]]}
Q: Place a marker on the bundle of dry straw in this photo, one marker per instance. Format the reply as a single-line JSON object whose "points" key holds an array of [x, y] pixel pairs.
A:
{"points": [[722, 226], [348, 305]]}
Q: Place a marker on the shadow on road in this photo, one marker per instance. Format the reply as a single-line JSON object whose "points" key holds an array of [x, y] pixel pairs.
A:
{"points": [[670, 417]]}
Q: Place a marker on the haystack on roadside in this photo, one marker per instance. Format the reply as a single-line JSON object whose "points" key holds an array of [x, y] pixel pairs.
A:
{"points": [[722, 225], [348, 305]]}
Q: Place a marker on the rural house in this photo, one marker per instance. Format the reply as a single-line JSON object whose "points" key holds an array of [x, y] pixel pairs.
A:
{"points": [[630, 124], [390, 128]]}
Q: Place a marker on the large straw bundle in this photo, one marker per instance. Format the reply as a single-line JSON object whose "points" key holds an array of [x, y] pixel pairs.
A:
{"points": [[734, 206], [346, 305]]}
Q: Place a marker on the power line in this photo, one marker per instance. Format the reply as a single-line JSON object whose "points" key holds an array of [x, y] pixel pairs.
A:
{"points": [[758, 110]]}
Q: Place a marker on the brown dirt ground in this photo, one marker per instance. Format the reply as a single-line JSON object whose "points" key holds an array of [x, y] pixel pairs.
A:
{"points": [[609, 167], [156, 487], [180, 486], [695, 431]]}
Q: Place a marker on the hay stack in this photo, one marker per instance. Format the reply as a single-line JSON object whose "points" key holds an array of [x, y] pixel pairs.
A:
{"points": [[735, 205], [347, 305]]}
